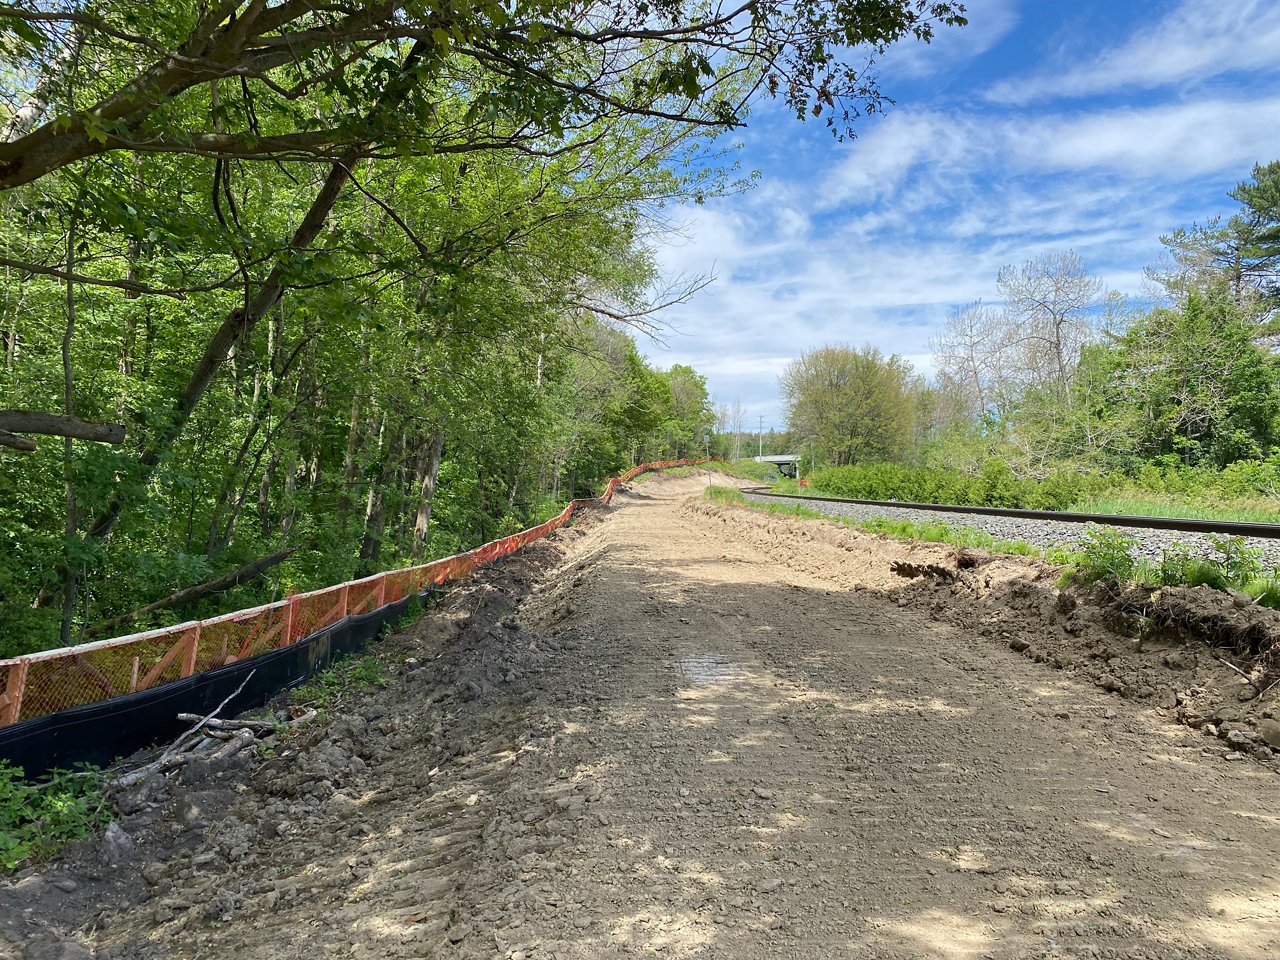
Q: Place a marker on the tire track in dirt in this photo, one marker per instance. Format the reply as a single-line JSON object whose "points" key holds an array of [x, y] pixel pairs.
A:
{"points": [[795, 768]]}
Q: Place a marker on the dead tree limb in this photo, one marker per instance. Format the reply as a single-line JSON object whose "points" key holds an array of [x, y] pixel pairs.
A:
{"points": [[16, 442], [53, 425], [198, 592]]}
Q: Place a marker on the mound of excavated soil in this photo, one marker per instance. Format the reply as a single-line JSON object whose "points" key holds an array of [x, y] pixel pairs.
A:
{"points": [[1168, 648]]}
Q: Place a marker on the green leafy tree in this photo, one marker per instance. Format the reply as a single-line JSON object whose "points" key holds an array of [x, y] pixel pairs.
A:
{"points": [[1189, 384], [1240, 255], [853, 405], [306, 292], [690, 418]]}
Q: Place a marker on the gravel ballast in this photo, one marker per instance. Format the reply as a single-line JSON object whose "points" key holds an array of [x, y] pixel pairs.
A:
{"points": [[1151, 544]]}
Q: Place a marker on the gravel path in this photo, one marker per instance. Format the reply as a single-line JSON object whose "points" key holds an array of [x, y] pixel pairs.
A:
{"points": [[1039, 533]]}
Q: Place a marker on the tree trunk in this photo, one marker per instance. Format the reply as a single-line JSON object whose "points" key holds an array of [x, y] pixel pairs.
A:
{"points": [[201, 590], [376, 508], [26, 117], [238, 324], [346, 497], [68, 450], [428, 470]]}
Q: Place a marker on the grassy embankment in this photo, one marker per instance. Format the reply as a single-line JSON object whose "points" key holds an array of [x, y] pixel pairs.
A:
{"points": [[1137, 504], [1242, 492], [951, 534]]}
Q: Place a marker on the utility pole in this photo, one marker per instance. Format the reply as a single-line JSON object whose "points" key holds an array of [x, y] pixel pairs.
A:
{"points": [[760, 434]]}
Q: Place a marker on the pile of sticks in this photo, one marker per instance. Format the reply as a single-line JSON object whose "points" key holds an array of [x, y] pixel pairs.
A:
{"points": [[210, 739]]}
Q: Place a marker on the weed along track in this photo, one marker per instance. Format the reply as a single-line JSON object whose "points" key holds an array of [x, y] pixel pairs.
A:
{"points": [[1045, 528], [686, 730]]}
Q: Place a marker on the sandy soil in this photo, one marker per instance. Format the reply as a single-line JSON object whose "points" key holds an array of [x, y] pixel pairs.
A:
{"points": [[685, 733]]}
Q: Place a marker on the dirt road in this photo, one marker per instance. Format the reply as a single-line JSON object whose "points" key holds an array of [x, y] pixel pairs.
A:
{"points": [[701, 745], [797, 770]]}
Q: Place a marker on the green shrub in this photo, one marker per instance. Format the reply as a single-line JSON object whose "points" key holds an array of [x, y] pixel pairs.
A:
{"points": [[1238, 566], [1240, 562], [330, 687], [995, 485], [38, 819], [724, 495], [412, 613], [1106, 557]]}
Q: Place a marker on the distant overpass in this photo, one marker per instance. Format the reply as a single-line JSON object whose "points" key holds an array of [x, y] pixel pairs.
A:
{"points": [[788, 464]]}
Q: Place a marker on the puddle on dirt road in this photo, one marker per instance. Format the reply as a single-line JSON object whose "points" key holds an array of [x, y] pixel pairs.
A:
{"points": [[708, 668]]}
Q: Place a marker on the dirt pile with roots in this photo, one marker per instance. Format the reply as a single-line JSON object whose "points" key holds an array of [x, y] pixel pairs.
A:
{"points": [[1206, 658]]}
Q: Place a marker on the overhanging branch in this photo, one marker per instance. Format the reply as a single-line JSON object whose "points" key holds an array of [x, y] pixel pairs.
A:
{"points": [[53, 425]]}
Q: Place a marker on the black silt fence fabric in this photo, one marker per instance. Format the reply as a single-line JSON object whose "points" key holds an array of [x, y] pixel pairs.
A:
{"points": [[102, 733]]}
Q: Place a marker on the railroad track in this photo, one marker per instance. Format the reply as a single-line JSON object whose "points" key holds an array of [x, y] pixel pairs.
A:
{"points": [[1235, 528]]}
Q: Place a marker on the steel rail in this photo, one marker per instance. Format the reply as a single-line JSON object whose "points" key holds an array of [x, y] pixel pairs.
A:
{"points": [[1235, 528]]}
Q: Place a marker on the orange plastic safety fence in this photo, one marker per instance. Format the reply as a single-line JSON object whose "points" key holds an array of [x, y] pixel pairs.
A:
{"points": [[100, 671], [244, 634], [43, 683]]}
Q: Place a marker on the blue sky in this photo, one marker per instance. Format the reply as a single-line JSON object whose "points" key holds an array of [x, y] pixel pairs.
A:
{"points": [[1041, 126]]}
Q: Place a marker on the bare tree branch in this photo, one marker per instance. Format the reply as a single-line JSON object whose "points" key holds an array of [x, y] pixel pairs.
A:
{"points": [[199, 591], [54, 425]]}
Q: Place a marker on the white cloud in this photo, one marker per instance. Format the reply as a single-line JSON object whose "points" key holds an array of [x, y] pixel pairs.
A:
{"points": [[989, 22], [1175, 141], [1180, 140], [1197, 41], [921, 212], [880, 161], [875, 240]]}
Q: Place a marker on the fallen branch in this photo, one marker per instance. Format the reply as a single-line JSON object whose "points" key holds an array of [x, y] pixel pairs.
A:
{"points": [[16, 442], [216, 710], [218, 740], [163, 765], [53, 424], [177, 753], [201, 590], [1232, 666], [237, 743], [264, 726]]}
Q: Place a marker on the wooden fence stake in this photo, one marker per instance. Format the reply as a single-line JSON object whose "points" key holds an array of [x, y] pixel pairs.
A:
{"points": [[286, 637], [15, 686], [189, 655]]}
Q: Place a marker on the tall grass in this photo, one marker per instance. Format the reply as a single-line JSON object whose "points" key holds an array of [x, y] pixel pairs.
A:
{"points": [[1155, 505]]}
